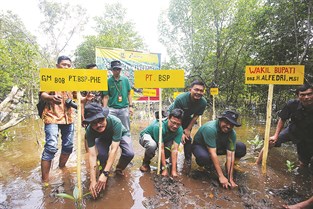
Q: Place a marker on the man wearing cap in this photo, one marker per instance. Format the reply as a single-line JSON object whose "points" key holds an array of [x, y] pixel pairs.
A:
{"points": [[57, 115], [105, 134], [118, 97], [193, 104], [171, 137], [215, 138]]}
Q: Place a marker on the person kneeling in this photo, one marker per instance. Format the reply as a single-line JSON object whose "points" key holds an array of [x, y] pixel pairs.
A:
{"points": [[171, 136], [106, 134], [215, 138]]}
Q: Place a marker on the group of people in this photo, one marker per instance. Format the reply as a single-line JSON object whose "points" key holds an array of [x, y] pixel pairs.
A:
{"points": [[106, 118]]}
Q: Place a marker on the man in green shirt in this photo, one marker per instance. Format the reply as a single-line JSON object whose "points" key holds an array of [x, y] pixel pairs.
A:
{"points": [[105, 134], [193, 104], [171, 137], [118, 97], [215, 138]]}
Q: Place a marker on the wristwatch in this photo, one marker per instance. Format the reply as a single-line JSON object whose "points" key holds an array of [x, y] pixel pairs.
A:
{"points": [[106, 173], [131, 105]]}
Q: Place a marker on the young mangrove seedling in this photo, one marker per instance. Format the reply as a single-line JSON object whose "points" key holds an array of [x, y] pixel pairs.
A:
{"points": [[78, 203], [290, 165]]}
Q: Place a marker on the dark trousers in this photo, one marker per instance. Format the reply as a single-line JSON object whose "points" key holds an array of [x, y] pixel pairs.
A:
{"points": [[203, 156], [127, 155]]}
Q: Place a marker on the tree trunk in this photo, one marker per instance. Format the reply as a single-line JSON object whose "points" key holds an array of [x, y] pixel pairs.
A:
{"points": [[7, 117]]}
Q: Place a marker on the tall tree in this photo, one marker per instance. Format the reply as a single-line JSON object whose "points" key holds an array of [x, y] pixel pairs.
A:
{"points": [[18, 56], [113, 30], [61, 22], [208, 40]]}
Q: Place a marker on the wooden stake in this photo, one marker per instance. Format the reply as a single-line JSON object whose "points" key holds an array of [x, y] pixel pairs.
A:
{"points": [[160, 131], [78, 132], [213, 114], [268, 126]]}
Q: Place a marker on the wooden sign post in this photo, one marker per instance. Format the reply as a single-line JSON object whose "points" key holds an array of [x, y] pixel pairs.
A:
{"points": [[213, 92], [273, 74], [74, 80], [159, 79]]}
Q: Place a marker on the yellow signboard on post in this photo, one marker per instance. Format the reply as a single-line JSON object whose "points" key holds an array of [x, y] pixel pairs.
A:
{"points": [[149, 92], [175, 94], [275, 74], [214, 91], [159, 79], [73, 80]]}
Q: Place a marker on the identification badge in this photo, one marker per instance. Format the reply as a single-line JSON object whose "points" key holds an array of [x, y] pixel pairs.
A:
{"points": [[119, 98]]}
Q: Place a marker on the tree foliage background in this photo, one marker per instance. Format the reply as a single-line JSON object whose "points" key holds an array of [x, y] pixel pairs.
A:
{"points": [[112, 30], [213, 40]]}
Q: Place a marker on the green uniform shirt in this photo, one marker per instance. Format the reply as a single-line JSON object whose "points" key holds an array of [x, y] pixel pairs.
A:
{"points": [[167, 135], [210, 135], [118, 89], [183, 101], [113, 131]]}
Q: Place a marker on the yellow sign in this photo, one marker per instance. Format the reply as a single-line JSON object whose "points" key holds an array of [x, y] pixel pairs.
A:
{"points": [[73, 80], [159, 79], [275, 74], [175, 94], [149, 92], [132, 92], [214, 91]]}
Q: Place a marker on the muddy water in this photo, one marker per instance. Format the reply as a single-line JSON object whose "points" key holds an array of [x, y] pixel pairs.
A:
{"points": [[20, 185]]}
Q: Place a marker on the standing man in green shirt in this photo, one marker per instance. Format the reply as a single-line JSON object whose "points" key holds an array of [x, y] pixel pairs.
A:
{"points": [[215, 138], [171, 136], [105, 134], [193, 104], [118, 97]]}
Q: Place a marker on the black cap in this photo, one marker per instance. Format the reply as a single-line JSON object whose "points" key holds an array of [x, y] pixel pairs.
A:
{"points": [[231, 116], [94, 111], [116, 64]]}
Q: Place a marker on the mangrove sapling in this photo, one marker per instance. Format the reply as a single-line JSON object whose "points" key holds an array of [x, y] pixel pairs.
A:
{"points": [[257, 143], [75, 197], [290, 166]]}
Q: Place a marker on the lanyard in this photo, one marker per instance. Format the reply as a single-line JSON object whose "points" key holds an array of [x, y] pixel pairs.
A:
{"points": [[118, 89]]}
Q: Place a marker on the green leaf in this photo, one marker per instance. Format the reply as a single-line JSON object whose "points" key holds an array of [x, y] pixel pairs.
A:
{"points": [[88, 193], [76, 192], [64, 195]]}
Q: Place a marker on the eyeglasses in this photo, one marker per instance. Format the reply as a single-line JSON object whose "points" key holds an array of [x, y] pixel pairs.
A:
{"points": [[97, 121], [175, 123]]}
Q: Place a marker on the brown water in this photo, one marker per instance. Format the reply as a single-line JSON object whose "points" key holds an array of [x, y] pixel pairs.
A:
{"points": [[20, 183]]}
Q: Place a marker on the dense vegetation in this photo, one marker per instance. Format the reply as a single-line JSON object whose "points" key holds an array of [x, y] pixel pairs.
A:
{"points": [[212, 40]]}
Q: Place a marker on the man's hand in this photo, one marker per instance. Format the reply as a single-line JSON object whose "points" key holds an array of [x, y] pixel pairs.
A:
{"points": [[92, 189], [184, 139], [101, 183], [89, 96], [56, 99], [131, 112], [96, 187], [273, 140], [232, 184], [187, 132], [224, 181]]}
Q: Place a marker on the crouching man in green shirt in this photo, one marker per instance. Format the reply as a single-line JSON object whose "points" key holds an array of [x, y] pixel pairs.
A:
{"points": [[105, 134], [171, 136], [215, 138]]}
